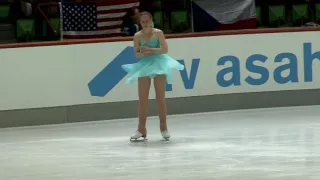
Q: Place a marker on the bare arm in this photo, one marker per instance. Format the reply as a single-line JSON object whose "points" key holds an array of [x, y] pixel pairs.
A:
{"points": [[136, 44], [163, 44]]}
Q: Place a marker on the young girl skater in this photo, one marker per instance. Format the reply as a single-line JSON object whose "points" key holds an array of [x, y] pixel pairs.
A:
{"points": [[151, 47]]}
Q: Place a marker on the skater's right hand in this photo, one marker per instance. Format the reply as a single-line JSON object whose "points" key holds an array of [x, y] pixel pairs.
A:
{"points": [[139, 55], [147, 53]]}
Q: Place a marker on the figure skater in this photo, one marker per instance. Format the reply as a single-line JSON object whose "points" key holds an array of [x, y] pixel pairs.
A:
{"points": [[150, 47]]}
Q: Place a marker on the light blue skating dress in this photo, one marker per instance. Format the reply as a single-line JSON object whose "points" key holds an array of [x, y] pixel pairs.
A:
{"points": [[150, 66]]}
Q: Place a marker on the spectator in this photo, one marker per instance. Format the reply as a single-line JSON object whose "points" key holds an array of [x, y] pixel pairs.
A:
{"points": [[148, 5], [26, 8], [20, 8], [130, 22]]}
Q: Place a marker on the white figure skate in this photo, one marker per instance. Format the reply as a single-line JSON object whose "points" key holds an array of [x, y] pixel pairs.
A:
{"points": [[165, 134], [137, 135]]}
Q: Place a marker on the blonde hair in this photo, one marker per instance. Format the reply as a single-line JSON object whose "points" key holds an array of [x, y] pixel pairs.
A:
{"points": [[148, 14]]}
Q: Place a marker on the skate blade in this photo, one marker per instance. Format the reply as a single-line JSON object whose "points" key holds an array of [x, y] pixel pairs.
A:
{"points": [[167, 139], [138, 140]]}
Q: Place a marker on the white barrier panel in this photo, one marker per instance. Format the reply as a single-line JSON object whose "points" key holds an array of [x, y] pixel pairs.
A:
{"points": [[59, 75]]}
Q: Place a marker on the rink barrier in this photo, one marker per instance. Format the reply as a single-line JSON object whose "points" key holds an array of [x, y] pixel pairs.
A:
{"points": [[168, 36], [233, 100]]}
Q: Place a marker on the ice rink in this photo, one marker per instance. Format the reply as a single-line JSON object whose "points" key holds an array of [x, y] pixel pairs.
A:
{"points": [[273, 144]]}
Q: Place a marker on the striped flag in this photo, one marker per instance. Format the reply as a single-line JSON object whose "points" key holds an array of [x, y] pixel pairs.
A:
{"points": [[98, 19], [223, 15]]}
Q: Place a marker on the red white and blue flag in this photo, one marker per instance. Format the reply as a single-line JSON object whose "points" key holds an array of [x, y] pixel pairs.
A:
{"points": [[94, 19], [223, 15]]}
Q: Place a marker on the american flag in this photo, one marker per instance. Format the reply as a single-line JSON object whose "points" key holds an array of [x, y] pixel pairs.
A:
{"points": [[98, 19]]}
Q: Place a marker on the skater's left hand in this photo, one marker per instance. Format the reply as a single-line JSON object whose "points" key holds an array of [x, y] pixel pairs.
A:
{"points": [[147, 53], [145, 48]]}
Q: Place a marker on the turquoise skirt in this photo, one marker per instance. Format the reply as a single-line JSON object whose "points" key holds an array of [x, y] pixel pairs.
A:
{"points": [[151, 66]]}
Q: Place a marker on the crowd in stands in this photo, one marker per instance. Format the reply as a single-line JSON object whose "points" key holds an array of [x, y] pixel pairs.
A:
{"points": [[23, 20], [161, 10], [40, 20], [288, 13]]}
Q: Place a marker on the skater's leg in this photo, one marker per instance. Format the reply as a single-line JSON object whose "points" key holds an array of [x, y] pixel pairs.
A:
{"points": [[143, 88], [160, 86]]}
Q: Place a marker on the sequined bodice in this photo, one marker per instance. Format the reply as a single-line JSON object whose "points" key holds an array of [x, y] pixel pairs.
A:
{"points": [[153, 43]]}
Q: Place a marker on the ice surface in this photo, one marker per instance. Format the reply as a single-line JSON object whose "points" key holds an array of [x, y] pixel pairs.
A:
{"points": [[281, 144]]}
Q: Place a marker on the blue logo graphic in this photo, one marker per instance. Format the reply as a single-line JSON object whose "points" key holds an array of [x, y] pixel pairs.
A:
{"points": [[188, 81], [112, 74], [264, 72]]}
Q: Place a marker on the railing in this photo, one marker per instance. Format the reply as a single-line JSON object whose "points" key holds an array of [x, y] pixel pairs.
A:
{"points": [[46, 18], [168, 36]]}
